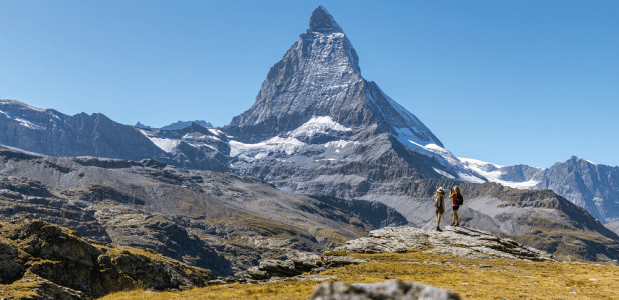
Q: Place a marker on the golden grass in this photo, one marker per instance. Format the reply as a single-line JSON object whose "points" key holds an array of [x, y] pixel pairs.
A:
{"points": [[332, 235], [505, 279]]}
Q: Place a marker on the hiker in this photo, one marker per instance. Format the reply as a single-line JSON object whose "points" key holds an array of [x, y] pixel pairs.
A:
{"points": [[439, 203], [457, 200]]}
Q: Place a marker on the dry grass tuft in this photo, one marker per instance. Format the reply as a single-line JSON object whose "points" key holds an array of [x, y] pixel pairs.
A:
{"points": [[504, 279]]}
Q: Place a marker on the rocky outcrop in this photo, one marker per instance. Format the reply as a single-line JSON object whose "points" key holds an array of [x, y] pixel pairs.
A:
{"points": [[389, 290], [465, 242], [299, 262], [54, 262]]}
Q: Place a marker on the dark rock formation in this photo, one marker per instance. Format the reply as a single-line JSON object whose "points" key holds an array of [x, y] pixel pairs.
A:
{"points": [[55, 262]]}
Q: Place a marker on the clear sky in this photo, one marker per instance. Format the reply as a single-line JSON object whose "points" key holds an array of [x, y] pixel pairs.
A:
{"points": [[508, 82]]}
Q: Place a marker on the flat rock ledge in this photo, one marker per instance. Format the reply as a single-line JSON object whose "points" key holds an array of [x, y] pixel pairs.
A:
{"points": [[389, 290], [466, 242], [298, 262]]}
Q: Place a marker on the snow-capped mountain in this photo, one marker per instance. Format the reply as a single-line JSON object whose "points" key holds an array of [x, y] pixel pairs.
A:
{"points": [[49, 132], [585, 183], [318, 82]]}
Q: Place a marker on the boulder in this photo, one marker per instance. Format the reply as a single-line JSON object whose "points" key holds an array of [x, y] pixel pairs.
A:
{"points": [[389, 290], [297, 263]]}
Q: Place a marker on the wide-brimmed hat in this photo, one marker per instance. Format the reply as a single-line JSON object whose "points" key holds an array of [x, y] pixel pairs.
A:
{"points": [[440, 190]]}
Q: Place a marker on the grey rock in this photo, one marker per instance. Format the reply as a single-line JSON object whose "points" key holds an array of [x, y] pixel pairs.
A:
{"points": [[305, 261], [466, 242], [389, 290], [285, 268], [298, 263]]}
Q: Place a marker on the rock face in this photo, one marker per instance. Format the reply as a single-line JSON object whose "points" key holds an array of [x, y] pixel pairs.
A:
{"points": [[465, 242], [53, 261], [389, 290]]}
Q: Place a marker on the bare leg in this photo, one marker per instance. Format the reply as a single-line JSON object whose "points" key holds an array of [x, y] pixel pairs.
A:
{"points": [[438, 221], [456, 221]]}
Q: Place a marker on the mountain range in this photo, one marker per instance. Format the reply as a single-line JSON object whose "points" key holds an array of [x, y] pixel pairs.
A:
{"points": [[319, 130]]}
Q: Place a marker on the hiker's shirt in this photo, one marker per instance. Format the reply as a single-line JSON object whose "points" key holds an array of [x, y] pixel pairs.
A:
{"points": [[454, 200]]}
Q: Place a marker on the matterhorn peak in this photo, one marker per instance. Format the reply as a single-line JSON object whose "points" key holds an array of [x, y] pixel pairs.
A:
{"points": [[322, 21]]}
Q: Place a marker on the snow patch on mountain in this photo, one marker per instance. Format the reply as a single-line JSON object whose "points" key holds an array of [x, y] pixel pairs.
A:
{"points": [[255, 151], [290, 144], [318, 125], [587, 161], [443, 173], [340, 144], [23, 122], [215, 131], [164, 144], [21, 150], [493, 173]]}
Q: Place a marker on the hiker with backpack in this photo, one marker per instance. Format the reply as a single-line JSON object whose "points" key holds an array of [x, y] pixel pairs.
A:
{"points": [[457, 200], [439, 203]]}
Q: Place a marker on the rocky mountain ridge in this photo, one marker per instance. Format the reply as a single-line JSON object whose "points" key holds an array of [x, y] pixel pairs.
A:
{"points": [[177, 125], [589, 185]]}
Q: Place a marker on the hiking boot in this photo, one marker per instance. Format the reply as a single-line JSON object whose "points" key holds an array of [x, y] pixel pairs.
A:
{"points": [[438, 229], [457, 223], [453, 222]]}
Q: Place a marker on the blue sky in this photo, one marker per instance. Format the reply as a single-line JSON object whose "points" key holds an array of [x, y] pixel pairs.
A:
{"points": [[509, 82]]}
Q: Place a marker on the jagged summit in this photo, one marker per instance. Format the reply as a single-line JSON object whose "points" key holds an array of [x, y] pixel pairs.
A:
{"points": [[322, 21], [319, 76]]}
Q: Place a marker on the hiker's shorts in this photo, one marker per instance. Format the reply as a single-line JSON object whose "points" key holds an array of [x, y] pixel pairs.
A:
{"points": [[440, 210]]}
